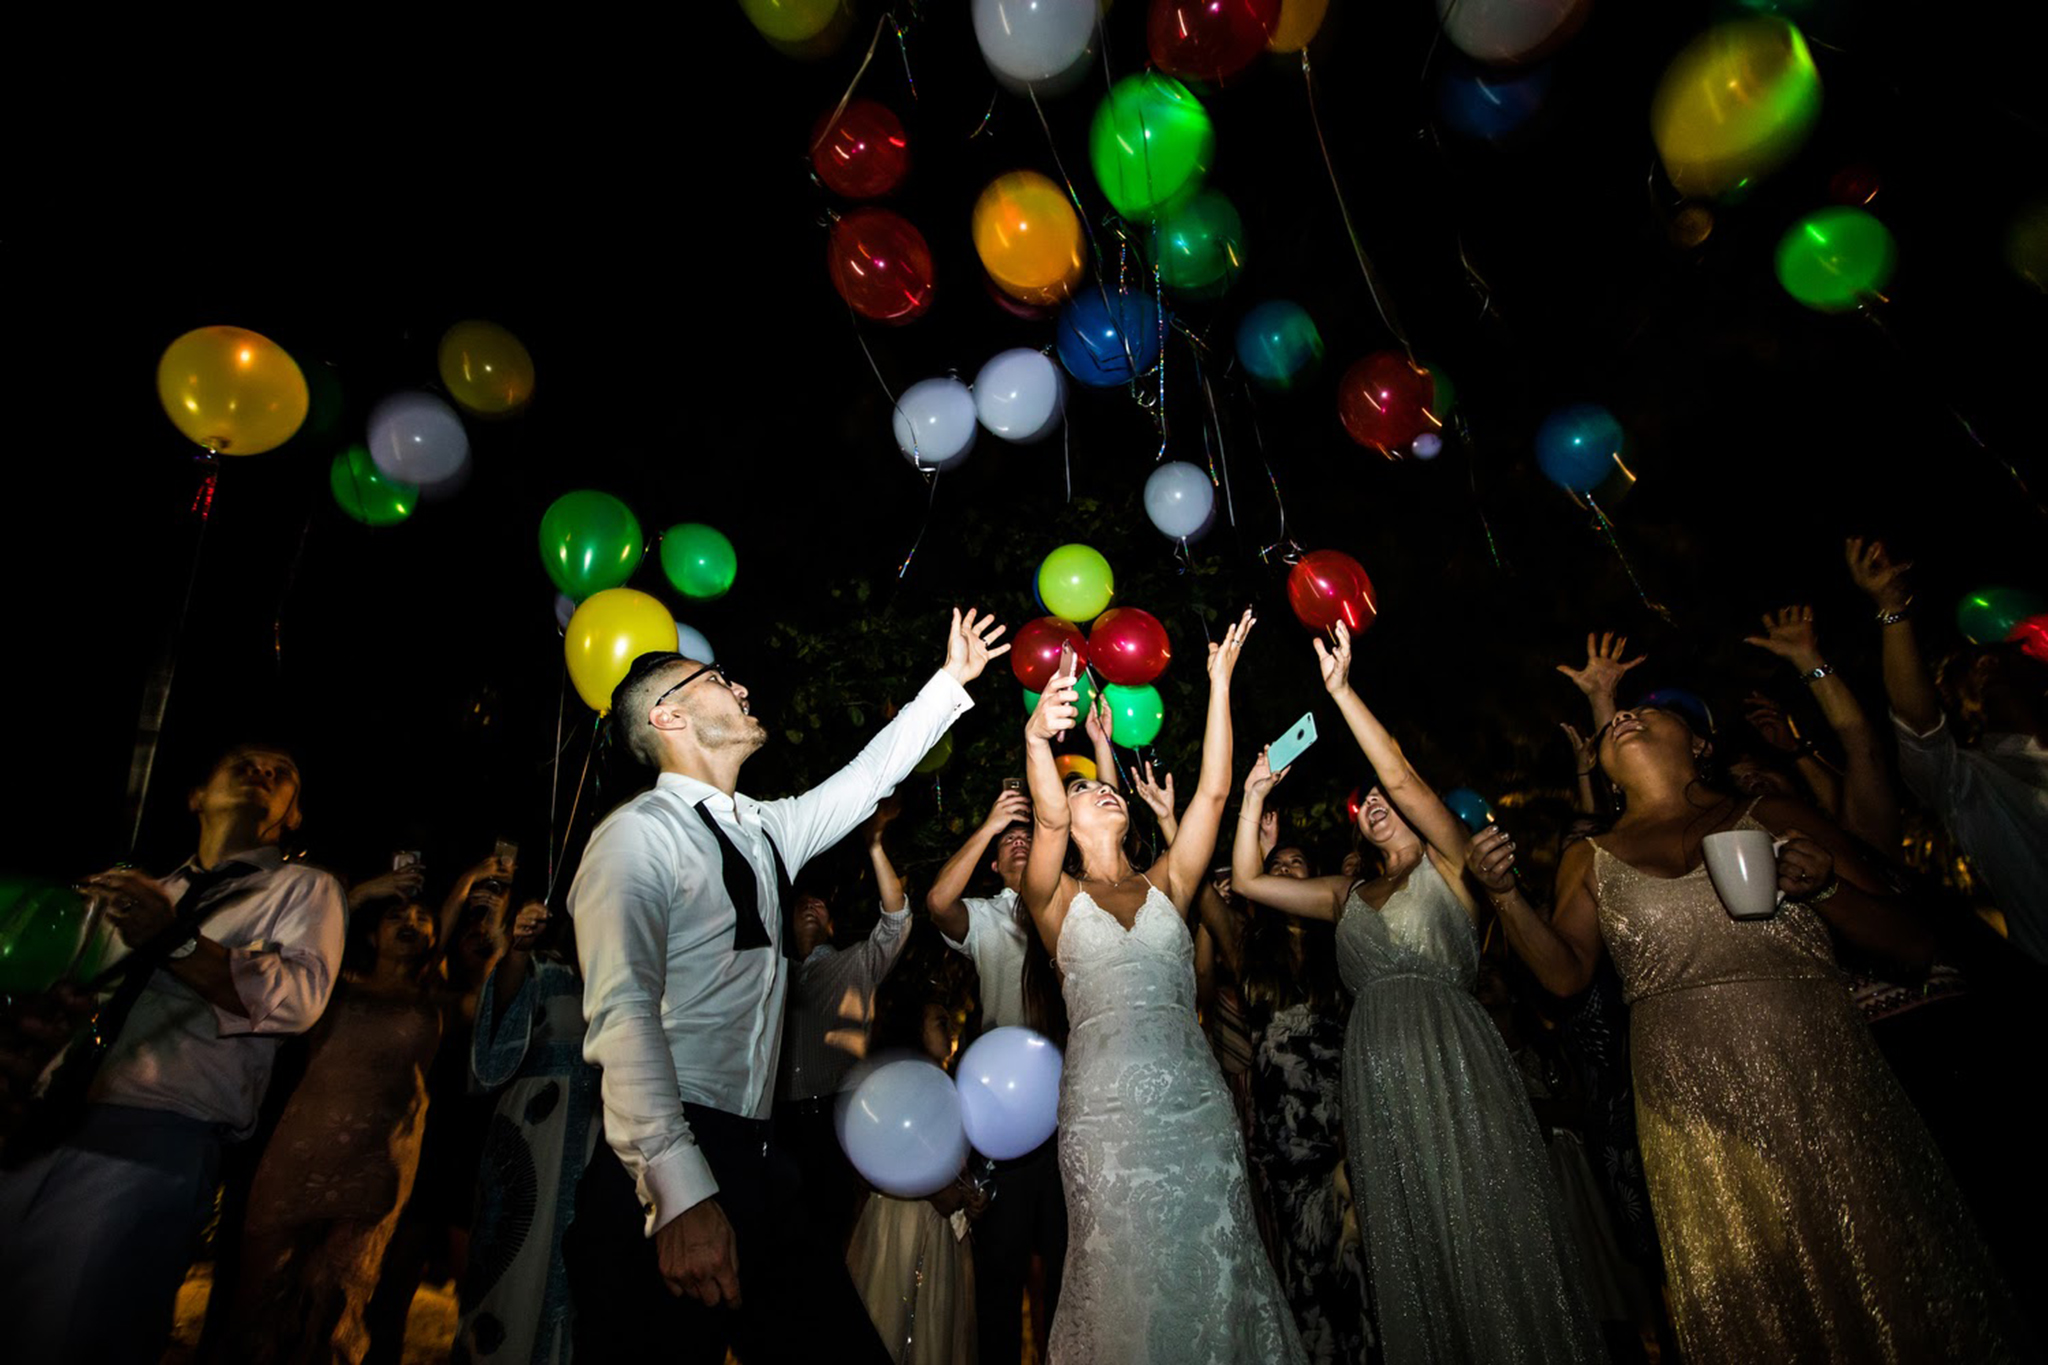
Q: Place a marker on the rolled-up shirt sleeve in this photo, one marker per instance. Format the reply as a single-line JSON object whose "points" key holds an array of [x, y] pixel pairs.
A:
{"points": [[620, 902], [1930, 765], [284, 979], [880, 949]]}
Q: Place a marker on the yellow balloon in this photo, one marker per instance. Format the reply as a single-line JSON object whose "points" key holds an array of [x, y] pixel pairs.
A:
{"points": [[610, 630], [486, 369], [1300, 20], [232, 390], [790, 21], [1028, 237], [1734, 104]]}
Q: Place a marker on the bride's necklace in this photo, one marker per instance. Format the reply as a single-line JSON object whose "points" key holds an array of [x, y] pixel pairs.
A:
{"points": [[1116, 885]]}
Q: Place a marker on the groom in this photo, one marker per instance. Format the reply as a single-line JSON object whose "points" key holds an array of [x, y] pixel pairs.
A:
{"points": [[690, 1233]]}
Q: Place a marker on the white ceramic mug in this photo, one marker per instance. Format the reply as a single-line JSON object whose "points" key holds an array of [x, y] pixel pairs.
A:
{"points": [[1743, 865]]}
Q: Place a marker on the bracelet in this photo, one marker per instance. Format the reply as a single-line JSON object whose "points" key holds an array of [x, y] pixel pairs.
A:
{"points": [[1815, 674], [1892, 618], [1834, 884]]}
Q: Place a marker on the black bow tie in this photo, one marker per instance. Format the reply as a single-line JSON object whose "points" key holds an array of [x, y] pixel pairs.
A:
{"points": [[743, 885]]}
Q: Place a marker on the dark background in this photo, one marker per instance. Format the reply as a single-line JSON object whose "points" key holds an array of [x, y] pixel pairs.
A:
{"points": [[631, 198]]}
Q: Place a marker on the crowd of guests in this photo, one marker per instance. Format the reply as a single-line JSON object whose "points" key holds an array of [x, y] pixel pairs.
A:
{"points": [[1492, 1096]]}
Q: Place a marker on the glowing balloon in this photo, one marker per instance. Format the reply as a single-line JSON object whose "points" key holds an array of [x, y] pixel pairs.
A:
{"points": [[1201, 245], [1135, 713], [486, 369], [1009, 1084], [43, 929], [1028, 42], [699, 560], [862, 154], [1328, 586], [1075, 583], [1578, 447], [691, 644], [1209, 40], [1028, 237], [1491, 105], [1991, 616], [936, 757], [1128, 646], [1472, 809], [2032, 636], [1020, 395], [1035, 653], [1836, 259], [1386, 401], [880, 265], [361, 490], [1069, 765], [416, 438], [1179, 499], [901, 1129], [934, 423], [1151, 142], [1510, 30], [589, 541], [1107, 342], [233, 391], [1298, 24], [790, 21], [1734, 104], [607, 633]]}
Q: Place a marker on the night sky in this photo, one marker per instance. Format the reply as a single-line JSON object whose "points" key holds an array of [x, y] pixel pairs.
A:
{"points": [[635, 204]]}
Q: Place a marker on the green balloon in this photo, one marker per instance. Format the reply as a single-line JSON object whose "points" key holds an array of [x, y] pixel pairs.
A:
{"points": [[1836, 259], [589, 541], [1201, 245], [1989, 616], [41, 926], [1084, 695], [1135, 713], [937, 756], [1075, 583], [1446, 400], [367, 493], [698, 560], [1151, 143]]}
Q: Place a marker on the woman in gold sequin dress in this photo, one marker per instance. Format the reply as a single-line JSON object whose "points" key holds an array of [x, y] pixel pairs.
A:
{"points": [[1804, 1211]]}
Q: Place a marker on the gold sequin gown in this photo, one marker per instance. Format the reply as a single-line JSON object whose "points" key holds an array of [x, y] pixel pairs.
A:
{"points": [[1804, 1211]]}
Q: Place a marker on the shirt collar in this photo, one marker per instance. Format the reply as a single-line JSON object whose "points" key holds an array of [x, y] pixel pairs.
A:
{"points": [[262, 858], [822, 951], [699, 793]]}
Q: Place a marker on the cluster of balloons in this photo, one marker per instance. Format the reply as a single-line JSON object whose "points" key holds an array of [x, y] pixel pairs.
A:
{"points": [[1126, 646], [1735, 104], [1018, 396], [907, 1126], [1045, 46], [1836, 259], [1328, 586]]}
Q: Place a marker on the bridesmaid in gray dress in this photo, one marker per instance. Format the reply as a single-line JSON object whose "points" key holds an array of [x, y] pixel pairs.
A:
{"points": [[1471, 1259]]}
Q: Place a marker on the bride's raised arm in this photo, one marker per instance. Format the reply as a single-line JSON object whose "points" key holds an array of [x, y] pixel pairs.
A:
{"points": [[1050, 819], [1187, 858]]}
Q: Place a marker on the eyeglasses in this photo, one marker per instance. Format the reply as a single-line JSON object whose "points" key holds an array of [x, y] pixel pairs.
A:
{"points": [[723, 680]]}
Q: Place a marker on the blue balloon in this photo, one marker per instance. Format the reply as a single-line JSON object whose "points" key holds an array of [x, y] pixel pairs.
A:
{"points": [[1472, 809], [1009, 1086], [1104, 343], [1688, 705], [1278, 344], [1579, 446], [1491, 104]]}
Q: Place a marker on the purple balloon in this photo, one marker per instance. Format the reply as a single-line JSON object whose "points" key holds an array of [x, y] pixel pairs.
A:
{"points": [[1009, 1092], [901, 1129]]}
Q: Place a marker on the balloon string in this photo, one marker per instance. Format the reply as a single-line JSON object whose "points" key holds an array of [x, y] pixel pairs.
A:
{"points": [[916, 452], [1372, 283], [1219, 459], [986, 117], [1471, 449], [932, 476], [555, 766], [575, 804], [291, 577], [1279, 503], [1663, 612], [881, 26], [903, 45], [1067, 451]]}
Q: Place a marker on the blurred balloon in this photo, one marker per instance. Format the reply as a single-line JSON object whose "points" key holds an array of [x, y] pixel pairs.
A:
{"points": [[1690, 225], [1328, 586], [1028, 237], [1075, 583], [486, 369], [1128, 646], [610, 630], [1491, 105], [1298, 24], [2026, 244], [1856, 186], [1179, 499], [699, 560], [862, 154], [43, 928], [901, 1129], [790, 21], [1735, 104], [1135, 713], [1209, 40], [1151, 142], [589, 541], [1688, 705], [1009, 1084], [936, 757], [1579, 446], [880, 265], [1069, 765], [1386, 401], [690, 643], [1990, 616], [416, 438], [2032, 636], [361, 490], [1836, 259], [1472, 809], [1107, 342], [1084, 696], [1035, 655], [934, 423], [233, 391], [1026, 42], [1508, 31], [1201, 245], [1428, 446], [1020, 395], [1278, 344], [565, 609]]}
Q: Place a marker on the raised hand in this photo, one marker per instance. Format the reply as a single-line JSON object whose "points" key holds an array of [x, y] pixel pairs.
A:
{"points": [[1604, 667], [1098, 723], [1269, 825], [404, 884], [1056, 710], [970, 644], [1260, 781], [1585, 752], [1223, 656], [1008, 809], [528, 924], [1804, 866], [1881, 578], [1769, 721], [1789, 634], [1491, 859], [1335, 661], [1157, 796]]}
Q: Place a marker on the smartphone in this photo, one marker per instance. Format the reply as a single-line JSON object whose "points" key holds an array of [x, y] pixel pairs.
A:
{"points": [[1013, 784], [1289, 746], [1066, 666], [404, 858], [507, 852]]}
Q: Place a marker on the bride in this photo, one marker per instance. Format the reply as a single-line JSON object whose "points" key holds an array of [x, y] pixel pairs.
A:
{"points": [[1164, 1262]]}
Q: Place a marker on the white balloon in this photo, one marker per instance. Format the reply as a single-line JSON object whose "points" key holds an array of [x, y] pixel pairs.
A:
{"points": [[1009, 1092], [1509, 30], [565, 607], [1428, 446], [1035, 42], [1180, 500], [691, 642], [934, 423], [416, 438], [1020, 395], [901, 1129]]}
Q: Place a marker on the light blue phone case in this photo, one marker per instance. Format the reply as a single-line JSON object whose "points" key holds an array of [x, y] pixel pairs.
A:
{"points": [[1289, 746]]}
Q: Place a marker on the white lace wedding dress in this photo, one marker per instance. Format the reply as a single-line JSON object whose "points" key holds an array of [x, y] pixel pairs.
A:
{"points": [[1164, 1262]]}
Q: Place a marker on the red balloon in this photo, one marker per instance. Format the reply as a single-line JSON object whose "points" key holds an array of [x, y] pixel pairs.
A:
{"points": [[1035, 653], [2032, 637], [880, 265], [1129, 646], [1387, 401], [1209, 40], [864, 154], [1328, 586]]}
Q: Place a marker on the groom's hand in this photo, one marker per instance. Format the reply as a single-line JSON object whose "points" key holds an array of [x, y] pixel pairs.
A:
{"points": [[970, 644], [698, 1255]]}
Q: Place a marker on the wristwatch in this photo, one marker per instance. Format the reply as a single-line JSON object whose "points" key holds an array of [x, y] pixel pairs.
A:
{"points": [[1816, 673], [185, 949]]}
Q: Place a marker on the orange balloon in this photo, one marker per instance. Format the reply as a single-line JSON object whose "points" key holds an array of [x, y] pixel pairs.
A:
{"points": [[1300, 20], [1028, 237], [234, 391], [1074, 765], [486, 369]]}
